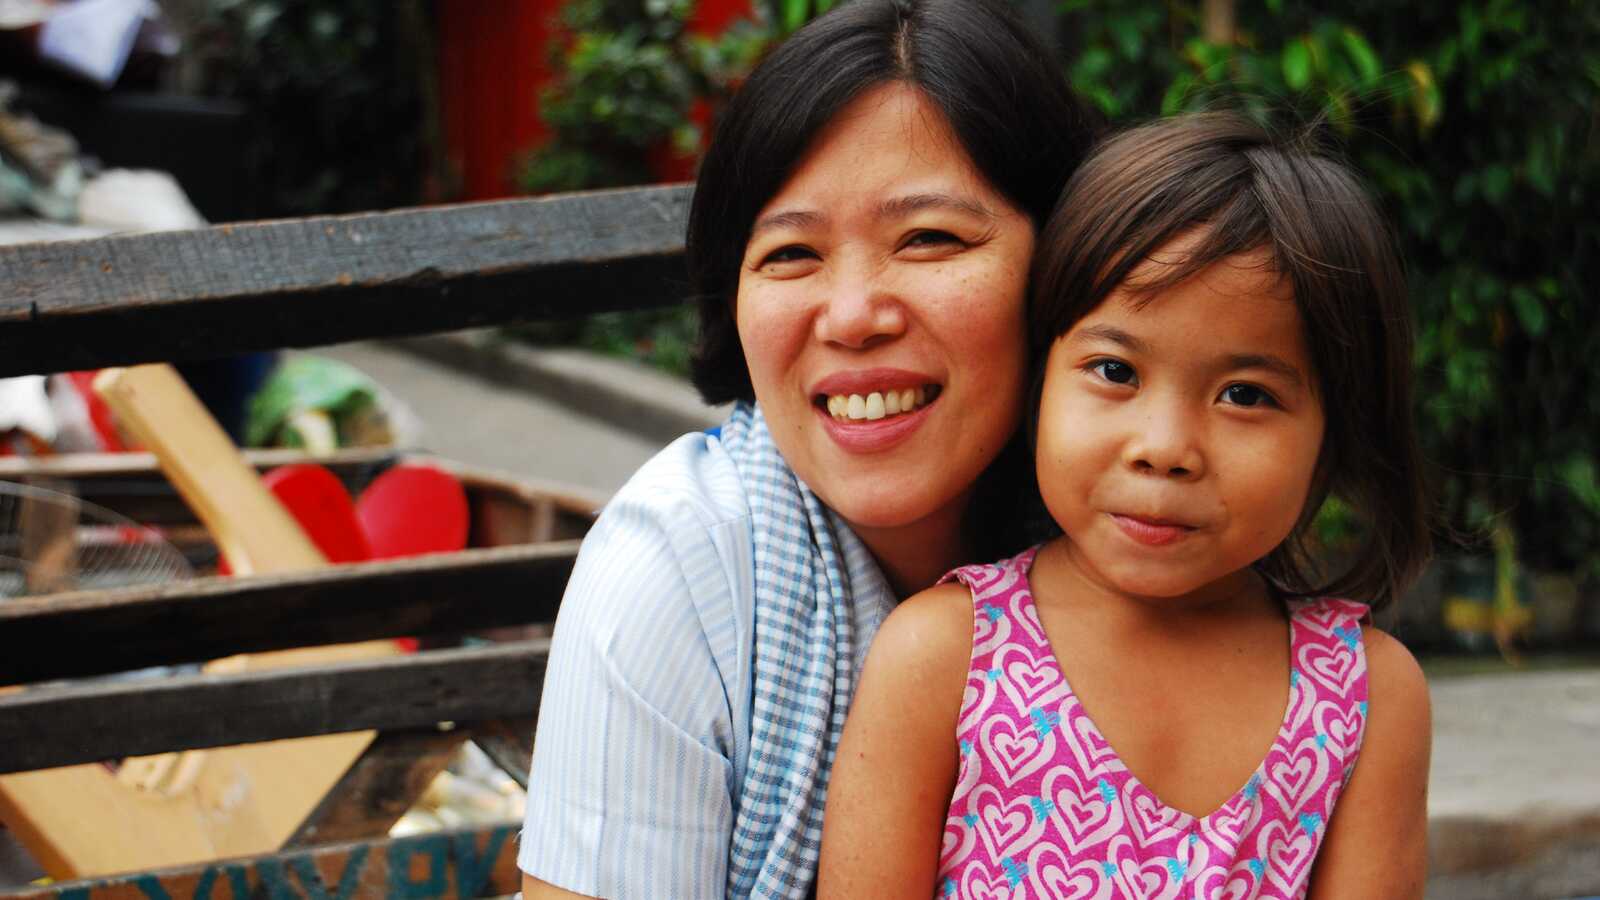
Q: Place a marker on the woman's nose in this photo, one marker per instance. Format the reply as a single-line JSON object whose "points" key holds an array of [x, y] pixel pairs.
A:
{"points": [[1168, 444], [859, 311]]}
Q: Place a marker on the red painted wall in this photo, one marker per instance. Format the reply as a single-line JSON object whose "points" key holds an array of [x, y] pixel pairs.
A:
{"points": [[494, 61], [492, 64]]}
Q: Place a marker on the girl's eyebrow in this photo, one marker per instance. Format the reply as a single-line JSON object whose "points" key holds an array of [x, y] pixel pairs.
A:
{"points": [[1266, 361], [1111, 334]]}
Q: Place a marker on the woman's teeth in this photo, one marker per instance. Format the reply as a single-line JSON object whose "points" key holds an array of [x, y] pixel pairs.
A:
{"points": [[878, 404]]}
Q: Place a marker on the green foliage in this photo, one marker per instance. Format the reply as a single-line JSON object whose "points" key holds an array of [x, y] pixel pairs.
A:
{"points": [[627, 79], [334, 91], [663, 338], [1475, 124]]}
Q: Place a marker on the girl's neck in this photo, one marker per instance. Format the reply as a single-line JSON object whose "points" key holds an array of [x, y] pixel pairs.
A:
{"points": [[913, 556], [1058, 577]]}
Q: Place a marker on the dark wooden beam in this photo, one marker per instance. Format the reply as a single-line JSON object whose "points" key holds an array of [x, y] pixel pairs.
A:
{"points": [[509, 745], [80, 723], [448, 865], [387, 780], [98, 632], [182, 295]]}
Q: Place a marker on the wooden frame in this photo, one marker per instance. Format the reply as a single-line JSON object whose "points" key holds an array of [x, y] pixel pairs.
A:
{"points": [[228, 289], [182, 295]]}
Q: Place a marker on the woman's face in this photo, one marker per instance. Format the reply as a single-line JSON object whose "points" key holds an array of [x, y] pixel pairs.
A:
{"points": [[881, 308]]}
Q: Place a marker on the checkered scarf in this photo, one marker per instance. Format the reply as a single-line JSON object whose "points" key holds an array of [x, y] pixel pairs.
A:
{"points": [[804, 679]]}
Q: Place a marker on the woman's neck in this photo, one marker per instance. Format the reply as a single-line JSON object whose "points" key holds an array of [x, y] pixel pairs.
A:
{"points": [[913, 556]]}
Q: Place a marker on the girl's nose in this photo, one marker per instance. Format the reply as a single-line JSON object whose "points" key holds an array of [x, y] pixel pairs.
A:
{"points": [[859, 311], [1166, 444]]}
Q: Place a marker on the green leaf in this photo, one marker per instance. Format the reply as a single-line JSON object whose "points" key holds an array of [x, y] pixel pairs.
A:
{"points": [[1297, 65], [1530, 312], [1128, 37], [1426, 101], [1496, 183], [795, 13], [1177, 92], [1362, 54]]}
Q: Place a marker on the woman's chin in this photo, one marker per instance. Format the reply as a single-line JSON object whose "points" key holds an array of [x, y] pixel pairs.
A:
{"points": [[879, 506]]}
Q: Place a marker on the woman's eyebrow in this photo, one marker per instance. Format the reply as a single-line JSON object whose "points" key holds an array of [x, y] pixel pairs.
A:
{"points": [[788, 218], [903, 206]]}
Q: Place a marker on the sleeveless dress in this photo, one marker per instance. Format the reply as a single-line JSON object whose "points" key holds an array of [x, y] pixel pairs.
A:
{"points": [[1043, 808]]}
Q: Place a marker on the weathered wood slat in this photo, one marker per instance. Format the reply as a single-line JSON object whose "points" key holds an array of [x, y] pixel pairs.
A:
{"points": [[509, 744], [201, 294], [50, 727], [98, 632], [385, 782], [449, 865]]}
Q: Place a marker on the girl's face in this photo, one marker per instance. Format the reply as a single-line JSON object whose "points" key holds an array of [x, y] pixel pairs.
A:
{"points": [[1177, 440], [880, 305]]}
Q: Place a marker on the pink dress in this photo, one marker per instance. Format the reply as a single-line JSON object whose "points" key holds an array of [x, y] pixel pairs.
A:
{"points": [[1043, 808]]}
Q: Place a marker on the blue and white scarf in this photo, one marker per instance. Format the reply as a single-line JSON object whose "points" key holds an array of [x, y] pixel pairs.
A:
{"points": [[805, 639]]}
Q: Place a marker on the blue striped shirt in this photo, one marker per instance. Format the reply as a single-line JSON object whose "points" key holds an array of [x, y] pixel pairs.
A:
{"points": [[644, 726]]}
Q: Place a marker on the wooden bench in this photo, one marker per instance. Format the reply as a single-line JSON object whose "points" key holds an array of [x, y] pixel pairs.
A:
{"points": [[191, 295]]}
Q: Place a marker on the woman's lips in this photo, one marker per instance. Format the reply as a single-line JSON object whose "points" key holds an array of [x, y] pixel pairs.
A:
{"points": [[873, 435], [1150, 531]]}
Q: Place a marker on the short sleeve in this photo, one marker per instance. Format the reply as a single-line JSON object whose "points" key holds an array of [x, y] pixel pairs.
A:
{"points": [[640, 738]]}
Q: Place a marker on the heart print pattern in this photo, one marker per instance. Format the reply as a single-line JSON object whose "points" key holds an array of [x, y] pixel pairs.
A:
{"points": [[1044, 808]]}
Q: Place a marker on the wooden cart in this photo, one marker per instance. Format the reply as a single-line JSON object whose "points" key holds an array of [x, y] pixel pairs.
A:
{"points": [[188, 295]]}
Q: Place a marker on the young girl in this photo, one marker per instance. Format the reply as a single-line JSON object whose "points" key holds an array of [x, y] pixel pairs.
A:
{"points": [[1163, 701]]}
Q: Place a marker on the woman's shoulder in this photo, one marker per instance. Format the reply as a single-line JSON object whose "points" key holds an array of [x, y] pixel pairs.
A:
{"points": [[670, 553], [690, 481]]}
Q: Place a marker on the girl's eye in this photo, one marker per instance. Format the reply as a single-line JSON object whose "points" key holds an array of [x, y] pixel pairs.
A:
{"points": [[1247, 395], [791, 253], [1115, 372]]}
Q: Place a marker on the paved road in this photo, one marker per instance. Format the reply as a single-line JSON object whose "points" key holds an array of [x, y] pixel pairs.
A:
{"points": [[472, 421]]}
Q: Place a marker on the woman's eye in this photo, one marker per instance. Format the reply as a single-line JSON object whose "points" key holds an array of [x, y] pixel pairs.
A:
{"points": [[1115, 372], [1247, 395], [791, 253], [931, 238]]}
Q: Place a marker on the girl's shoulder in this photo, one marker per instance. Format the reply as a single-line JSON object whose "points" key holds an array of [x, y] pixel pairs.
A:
{"points": [[1395, 682], [929, 632]]}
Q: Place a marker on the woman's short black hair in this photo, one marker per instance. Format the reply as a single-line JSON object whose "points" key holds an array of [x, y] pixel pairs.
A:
{"points": [[1001, 90], [1245, 188]]}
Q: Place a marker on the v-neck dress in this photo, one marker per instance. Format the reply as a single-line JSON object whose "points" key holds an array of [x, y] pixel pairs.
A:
{"points": [[1044, 808]]}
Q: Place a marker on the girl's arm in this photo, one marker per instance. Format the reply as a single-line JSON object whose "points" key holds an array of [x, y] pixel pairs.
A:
{"points": [[897, 760], [1377, 842]]}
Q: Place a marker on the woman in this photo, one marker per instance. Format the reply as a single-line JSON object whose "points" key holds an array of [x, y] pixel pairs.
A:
{"points": [[860, 239]]}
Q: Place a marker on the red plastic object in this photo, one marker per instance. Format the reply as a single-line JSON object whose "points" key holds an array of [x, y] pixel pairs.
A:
{"points": [[318, 501], [412, 509]]}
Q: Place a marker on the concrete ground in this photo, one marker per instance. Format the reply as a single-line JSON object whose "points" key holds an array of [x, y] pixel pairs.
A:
{"points": [[1514, 798]]}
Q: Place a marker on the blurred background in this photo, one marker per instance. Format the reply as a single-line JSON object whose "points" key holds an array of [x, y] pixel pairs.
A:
{"points": [[1476, 123]]}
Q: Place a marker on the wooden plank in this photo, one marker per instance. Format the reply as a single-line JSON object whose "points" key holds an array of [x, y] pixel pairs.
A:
{"points": [[205, 293], [252, 529], [447, 865], [509, 744], [60, 726], [385, 782], [207, 618]]}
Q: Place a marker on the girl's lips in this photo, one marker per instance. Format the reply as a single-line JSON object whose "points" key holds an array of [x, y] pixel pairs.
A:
{"points": [[1151, 532], [873, 435]]}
